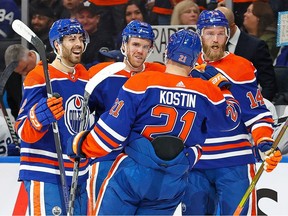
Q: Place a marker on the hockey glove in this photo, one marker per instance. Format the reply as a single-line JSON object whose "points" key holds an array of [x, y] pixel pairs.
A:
{"points": [[193, 154], [46, 111], [264, 152], [74, 145], [208, 72]]}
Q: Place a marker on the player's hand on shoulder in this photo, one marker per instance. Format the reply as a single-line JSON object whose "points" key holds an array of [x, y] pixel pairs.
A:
{"points": [[46, 111], [74, 145], [211, 74], [264, 152]]}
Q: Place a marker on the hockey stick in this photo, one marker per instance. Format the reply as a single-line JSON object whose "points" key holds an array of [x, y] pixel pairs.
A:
{"points": [[259, 172], [20, 28], [90, 86], [3, 80]]}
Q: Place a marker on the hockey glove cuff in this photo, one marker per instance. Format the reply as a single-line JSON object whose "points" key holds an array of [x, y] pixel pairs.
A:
{"points": [[193, 154], [264, 152], [74, 145], [210, 73], [46, 111]]}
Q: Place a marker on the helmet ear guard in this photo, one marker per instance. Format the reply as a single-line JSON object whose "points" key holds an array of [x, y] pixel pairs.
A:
{"points": [[63, 27], [184, 47]]}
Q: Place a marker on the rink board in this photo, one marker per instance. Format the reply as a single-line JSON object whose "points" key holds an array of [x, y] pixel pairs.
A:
{"points": [[272, 189]]}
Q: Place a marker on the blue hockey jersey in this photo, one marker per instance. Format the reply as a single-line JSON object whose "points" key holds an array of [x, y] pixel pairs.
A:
{"points": [[104, 94], [38, 153], [151, 104], [232, 148]]}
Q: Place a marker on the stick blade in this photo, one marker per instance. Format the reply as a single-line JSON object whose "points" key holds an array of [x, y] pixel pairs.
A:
{"points": [[21, 29], [103, 74]]}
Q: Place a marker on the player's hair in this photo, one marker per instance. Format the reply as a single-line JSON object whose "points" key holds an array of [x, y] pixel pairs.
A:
{"points": [[184, 47], [210, 19], [15, 52], [63, 27]]}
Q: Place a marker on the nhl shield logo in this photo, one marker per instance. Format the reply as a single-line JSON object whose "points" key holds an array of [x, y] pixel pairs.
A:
{"points": [[73, 108]]}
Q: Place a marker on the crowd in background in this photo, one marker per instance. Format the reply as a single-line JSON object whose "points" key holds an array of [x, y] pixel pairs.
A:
{"points": [[106, 19]]}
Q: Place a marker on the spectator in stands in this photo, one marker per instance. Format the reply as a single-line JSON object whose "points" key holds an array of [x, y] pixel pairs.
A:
{"points": [[88, 14], [42, 18], [27, 60], [259, 21], [112, 15], [55, 5], [149, 4], [134, 10], [239, 8], [70, 8], [202, 4], [9, 12], [256, 51], [164, 10], [185, 13]]}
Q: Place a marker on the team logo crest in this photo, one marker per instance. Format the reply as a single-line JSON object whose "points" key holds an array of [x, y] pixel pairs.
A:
{"points": [[73, 108]]}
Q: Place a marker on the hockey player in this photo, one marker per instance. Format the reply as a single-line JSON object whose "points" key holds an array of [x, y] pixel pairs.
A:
{"points": [[227, 165], [173, 111], [39, 167], [137, 44]]}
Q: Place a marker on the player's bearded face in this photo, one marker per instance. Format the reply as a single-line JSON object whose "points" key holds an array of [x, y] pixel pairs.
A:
{"points": [[72, 49], [137, 50], [211, 54], [213, 42]]}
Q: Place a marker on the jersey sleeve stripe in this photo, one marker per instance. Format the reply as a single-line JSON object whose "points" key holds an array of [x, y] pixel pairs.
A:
{"points": [[256, 118], [259, 125], [99, 142], [110, 131], [106, 138]]}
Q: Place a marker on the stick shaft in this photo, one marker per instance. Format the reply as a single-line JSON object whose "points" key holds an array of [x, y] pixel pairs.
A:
{"points": [[23, 30]]}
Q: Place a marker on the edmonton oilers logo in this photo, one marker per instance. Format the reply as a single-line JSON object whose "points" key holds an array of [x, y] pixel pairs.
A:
{"points": [[73, 108]]}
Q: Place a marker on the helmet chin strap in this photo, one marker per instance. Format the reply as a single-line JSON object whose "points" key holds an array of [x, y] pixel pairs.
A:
{"points": [[123, 51], [58, 56], [133, 68]]}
